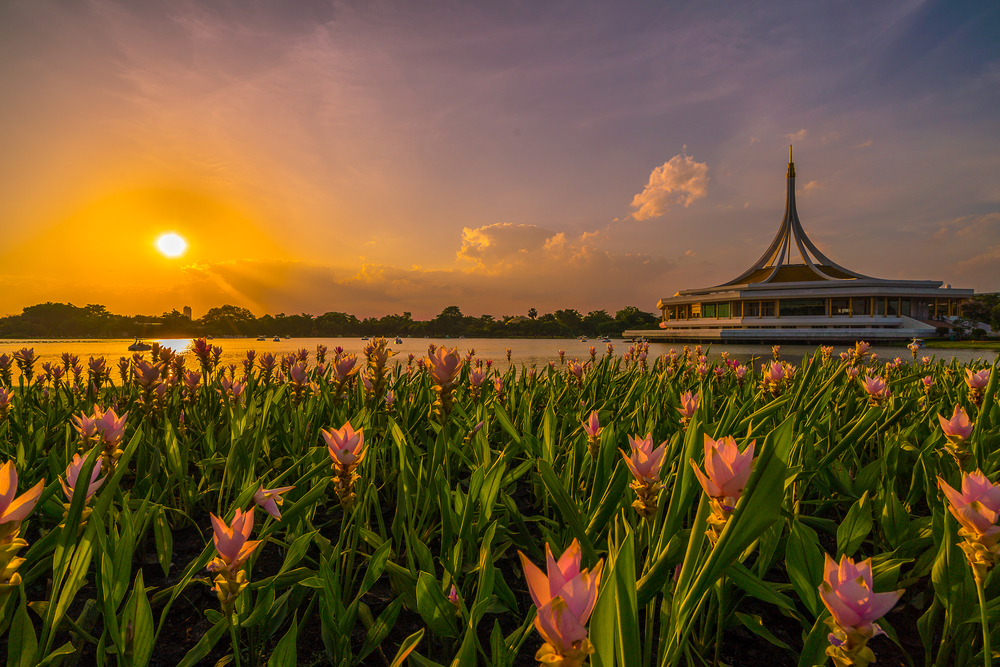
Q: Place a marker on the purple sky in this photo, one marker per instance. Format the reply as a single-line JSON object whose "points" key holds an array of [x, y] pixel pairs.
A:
{"points": [[381, 157]]}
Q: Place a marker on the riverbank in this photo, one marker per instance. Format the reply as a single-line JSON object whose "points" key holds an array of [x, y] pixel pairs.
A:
{"points": [[963, 344]]}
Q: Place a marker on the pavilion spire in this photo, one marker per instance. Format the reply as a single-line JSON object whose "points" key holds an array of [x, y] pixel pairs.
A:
{"points": [[791, 165]]}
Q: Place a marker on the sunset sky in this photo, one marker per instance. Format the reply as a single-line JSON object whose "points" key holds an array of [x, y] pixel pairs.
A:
{"points": [[381, 157]]}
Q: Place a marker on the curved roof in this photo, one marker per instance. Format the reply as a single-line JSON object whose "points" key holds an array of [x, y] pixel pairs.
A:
{"points": [[775, 265]]}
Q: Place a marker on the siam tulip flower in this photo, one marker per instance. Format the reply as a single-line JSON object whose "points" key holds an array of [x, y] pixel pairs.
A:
{"points": [[774, 378], [26, 358], [267, 362], [854, 607], [509, 351], [552, 365], [977, 384], [86, 426], [689, 405], [741, 373], [444, 367], [489, 364], [216, 356], [270, 499], [12, 512], [409, 359], [498, 388], [592, 427], [161, 391], [562, 356], [5, 400], [366, 382], [645, 463], [845, 356], [69, 482], [347, 449], [5, 374], [957, 431], [860, 350], [702, 370], [565, 598], [977, 508], [576, 370], [321, 351], [913, 347], [390, 399], [853, 372], [611, 349], [727, 470], [191, 381], [147, 375], [926, 360], [299, 379], [877, 389], [453, 598], [827, 352], [234, 547], [873, 358], [593, 353], [928, 383], [476, 379], [776, 351]]}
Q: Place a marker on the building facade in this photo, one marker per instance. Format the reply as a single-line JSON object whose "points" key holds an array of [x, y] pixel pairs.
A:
{"points": [[795, 293]]}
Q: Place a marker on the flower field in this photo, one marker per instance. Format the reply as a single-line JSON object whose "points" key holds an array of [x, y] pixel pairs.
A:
{"points": [[324, 508]]}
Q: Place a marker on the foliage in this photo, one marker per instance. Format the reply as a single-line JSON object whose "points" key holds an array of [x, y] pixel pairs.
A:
{"points": [[446, 499]]}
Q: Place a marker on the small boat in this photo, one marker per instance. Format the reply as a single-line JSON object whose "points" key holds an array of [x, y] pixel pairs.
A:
{"points": [[605, 340], [276, 339], [399, 341], [210, 337], [917, 343], [288, 337], [139, 346], [583, 339], [461, 337], [261, 338]]}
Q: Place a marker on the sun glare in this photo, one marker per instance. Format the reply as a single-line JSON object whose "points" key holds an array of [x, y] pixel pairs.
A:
{"points": [[171, 245]]}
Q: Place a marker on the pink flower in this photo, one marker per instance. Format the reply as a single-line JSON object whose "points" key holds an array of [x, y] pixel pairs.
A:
{"points": [[645, 462], [110, 425], [444, 365], [86, 426], [977, 506], [741, 372], [861, 349], [775, 373], [232, 541], [73, 473], [689, 404], [576, 369], [390, 398], [146, 374], [298, 374], [345, 444], [476, 378], [958, 427], [16, 509], [847, 592], [928, 382], [977, 380], [366, 380], [592, 426], [267, 362], [270, 499], [345, 367], [727, 469], [565, 597], [876, 387], [925, 360], [853, 372]]}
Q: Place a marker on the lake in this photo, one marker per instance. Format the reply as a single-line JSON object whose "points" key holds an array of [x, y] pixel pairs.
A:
{"points": [[528, 352]]}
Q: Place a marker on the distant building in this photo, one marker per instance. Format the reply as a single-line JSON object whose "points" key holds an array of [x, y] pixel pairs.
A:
{"points": [[187, 312], [809, 300]]}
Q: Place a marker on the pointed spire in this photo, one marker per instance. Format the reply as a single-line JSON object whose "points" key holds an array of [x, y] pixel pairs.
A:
{"points": [[791, 165]]}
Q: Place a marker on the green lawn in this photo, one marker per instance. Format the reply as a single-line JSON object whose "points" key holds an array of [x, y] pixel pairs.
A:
{"points": [[964, 344]]}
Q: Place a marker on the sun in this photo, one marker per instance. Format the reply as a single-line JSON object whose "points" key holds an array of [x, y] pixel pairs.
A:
{"points": [[171, 244]]}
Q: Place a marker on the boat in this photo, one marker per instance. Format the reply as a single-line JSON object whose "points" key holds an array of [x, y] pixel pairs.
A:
{"points": [[583, 339], [276, 339], [364, 338], [916, 343], [139, 346], [605, 340], [288, 337], [210, 337], [261, 338], [399, 341]]}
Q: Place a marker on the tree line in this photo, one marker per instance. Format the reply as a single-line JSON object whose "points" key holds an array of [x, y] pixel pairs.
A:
{"points": [[64, 320]]}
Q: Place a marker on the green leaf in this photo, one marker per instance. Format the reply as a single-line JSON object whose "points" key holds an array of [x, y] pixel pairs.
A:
{"points": [[434, 608], [804, 564], [568, 510], [627, 612], [406, 647], [895, 520], [205, 644], [285, 654], [164, 540], [381, 628], [22, 645], [753, 623], [139, 614], [855, 527]]}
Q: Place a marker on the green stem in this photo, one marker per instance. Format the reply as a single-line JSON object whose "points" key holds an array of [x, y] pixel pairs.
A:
{"points": [[987, 653], [235, 639]]}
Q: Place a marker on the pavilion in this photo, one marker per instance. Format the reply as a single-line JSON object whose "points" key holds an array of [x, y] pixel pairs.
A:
{"points": [[795, 293]]}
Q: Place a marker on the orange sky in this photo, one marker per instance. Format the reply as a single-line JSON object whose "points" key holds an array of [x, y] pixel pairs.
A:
{"points": [[365, 159]]}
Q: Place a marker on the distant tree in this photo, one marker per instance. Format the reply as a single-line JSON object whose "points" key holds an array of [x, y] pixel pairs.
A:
{"points": [[630, 317], [532, 313], [228, 320]]}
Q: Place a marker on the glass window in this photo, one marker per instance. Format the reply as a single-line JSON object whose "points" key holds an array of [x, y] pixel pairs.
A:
{"points": [[904, 307], [737, 309], [751, 309], [723, 310], [767, 309], [708, 310], [840, 307], [861, 307], [880, 306], [803, 307], [892, 307]]}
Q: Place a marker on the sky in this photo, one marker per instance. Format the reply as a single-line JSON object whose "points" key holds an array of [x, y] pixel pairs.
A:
{"points": [[385, 157]]}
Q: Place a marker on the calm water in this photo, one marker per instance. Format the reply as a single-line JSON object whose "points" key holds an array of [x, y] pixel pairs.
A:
{"points": [[524, 351]]}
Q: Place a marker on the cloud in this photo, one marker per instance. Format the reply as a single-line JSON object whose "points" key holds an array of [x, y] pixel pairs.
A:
{"points": [[981, 228], [680, 180], [754, 140], [833, 136], [797, 136], [813, 185], [863, 144]]}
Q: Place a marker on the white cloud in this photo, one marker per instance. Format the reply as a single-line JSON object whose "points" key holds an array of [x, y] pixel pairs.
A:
{"points": [[680, 180], [864, 144], [813, 185], [797, 136]]}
